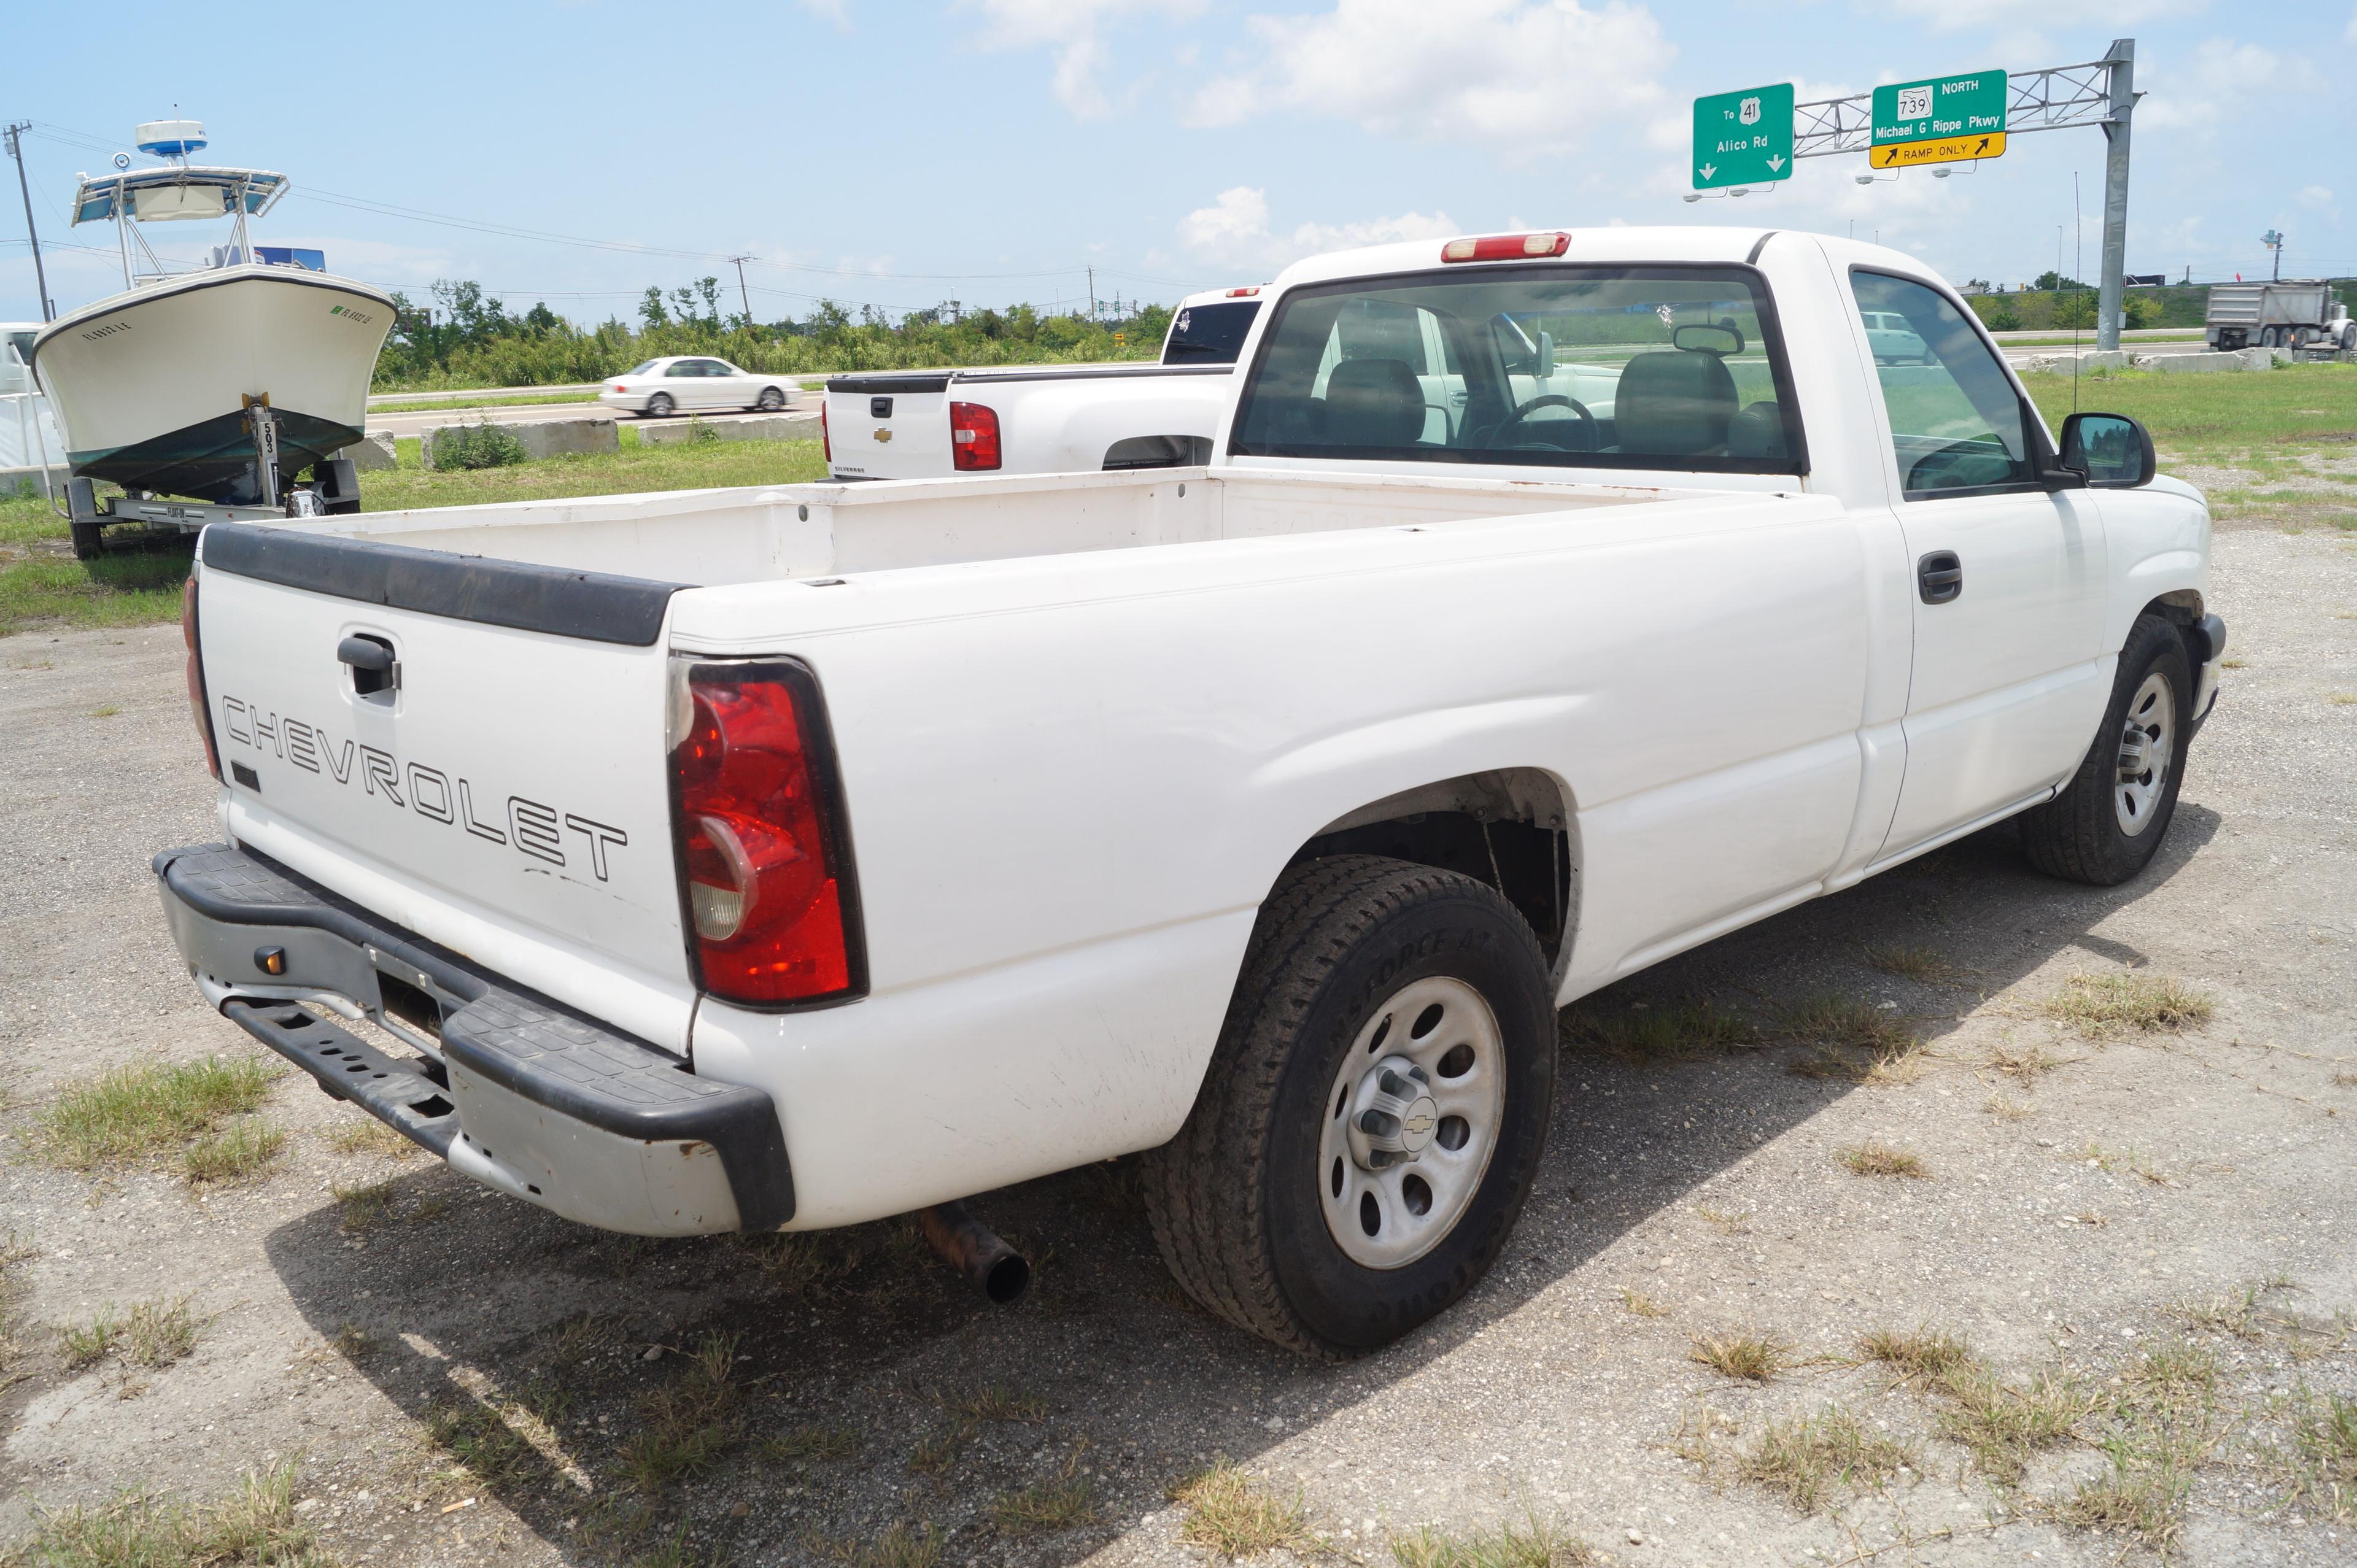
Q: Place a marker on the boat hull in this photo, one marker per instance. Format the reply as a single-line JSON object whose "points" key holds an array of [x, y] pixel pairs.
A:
{"points": [[151, 386]]}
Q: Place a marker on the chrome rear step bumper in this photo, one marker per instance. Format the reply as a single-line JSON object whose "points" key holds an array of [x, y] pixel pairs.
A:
{"points": [[517, 1092]]}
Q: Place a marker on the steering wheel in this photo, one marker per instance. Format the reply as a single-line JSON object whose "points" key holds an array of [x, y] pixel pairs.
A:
{"points": [[1497, 437]]}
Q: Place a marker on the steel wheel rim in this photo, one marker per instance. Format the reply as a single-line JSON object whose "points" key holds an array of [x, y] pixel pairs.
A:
{"points": [[1391, 1196], [2147, 751]]}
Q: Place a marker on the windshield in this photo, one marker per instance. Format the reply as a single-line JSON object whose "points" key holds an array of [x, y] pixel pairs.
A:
{"points": [[1208, 334], [642, 370], [1662, 367]]}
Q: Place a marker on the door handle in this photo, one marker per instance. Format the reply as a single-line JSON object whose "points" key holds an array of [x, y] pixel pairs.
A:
{"points": [[1940, 576]]}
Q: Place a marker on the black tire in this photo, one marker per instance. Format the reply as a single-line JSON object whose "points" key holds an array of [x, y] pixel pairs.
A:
{"points": [[88, 544], [660, 405], [1234, 1197], [2078, 835], [771, 400]]}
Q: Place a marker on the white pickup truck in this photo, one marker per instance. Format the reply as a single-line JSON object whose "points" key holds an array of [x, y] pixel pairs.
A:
{"points": [[1045, 419], [797, 857]]}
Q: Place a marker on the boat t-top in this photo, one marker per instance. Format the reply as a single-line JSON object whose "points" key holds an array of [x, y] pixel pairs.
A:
{"points": [[222, 381]]}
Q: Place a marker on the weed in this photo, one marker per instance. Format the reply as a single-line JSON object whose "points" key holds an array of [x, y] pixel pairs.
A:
{"points": [[2233, 665], [2344, 1080], [1642, 1304], [1534, 1543], [363, 1203], [481, 444], [86, 1345], [809, 1444], [1922, 964], [244, 1149], [12, 1252], [1065, 1502], [253, 1525], [1727, 1224], [2343, 698], [2235, 1313], [2005, 1107], [134, 1113], [996, 1402], [579, 1338], [1748, 1357], [797, 1265], [2100, 1004], [1923, 1359], [2004, 1425], [2112, 1161], [159, 1333], [689, 1422], [2160, 1427], [2024, 1066], [1229, 1511], [898, 1547], [1822, 1458], [1675, 1032], [352, 1342], [1848, 1023], [935, 1455], [1699, 1430], [367, 1135], [2317, 1466], [480, 1439], [1876, 1158], [105, 711]]}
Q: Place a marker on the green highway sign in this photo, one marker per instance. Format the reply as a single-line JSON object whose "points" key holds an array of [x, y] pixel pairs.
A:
{"points": [[1942, 109], [1743, 138]]}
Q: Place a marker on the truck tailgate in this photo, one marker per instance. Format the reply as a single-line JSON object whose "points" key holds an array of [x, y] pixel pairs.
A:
{"points": [[888, 428], [503, 791]]}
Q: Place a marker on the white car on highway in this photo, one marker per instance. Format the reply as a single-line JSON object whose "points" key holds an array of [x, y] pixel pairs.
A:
{"points": [[686, 383], [1894, 342]]}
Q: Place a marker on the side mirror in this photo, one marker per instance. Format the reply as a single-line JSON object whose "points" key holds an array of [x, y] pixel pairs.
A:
{"points": [[2107, 451], [1722, 339]]}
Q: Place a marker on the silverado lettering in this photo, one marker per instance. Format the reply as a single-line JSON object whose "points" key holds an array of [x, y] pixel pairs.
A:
{"points": [[532, 828]]}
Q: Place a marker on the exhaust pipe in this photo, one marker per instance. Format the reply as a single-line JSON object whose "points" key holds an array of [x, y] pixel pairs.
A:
{"points": [[970, 1247]]}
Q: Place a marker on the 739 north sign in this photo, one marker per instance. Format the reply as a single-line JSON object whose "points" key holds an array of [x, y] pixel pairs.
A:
{"points": [[1944, 120], [1743, 138]]}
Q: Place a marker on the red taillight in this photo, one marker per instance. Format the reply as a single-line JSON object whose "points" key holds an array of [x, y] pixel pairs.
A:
{"points": [[973, 435], [1243, 293], [1506, 247], [765, 868], [620, 388], [825, 441], [198, 706]]}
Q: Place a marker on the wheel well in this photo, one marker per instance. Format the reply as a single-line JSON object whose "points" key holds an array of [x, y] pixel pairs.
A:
{"points": [[1509, 827]]}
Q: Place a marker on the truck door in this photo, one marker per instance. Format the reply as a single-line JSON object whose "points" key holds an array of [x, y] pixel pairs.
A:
{"points": [[2009, 674]]}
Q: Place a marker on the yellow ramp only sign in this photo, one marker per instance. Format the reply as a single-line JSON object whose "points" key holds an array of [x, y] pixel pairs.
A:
{"points": [[1946, 150]]}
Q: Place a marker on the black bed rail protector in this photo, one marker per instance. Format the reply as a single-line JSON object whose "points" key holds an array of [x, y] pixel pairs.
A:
{"points": [[593, 605]]}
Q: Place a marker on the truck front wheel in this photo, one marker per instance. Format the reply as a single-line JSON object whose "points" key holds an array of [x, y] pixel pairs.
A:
{"points": [[1374, 1113], [2108, 822]]}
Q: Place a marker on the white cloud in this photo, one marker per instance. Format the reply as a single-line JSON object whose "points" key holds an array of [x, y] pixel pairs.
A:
{"points": [[2315, 195], [1947, 16], [2223, 79], [1233, 232], [1529, 76], [1073, 31]]}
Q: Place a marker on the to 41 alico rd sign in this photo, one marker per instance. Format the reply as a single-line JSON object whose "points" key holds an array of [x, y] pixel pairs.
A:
{"points": [[1945, 120], [1743, 138]]}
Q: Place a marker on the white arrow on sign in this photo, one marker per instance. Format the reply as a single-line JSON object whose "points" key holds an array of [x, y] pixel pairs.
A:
{"points": [[1708, 170], [1776, 163]]}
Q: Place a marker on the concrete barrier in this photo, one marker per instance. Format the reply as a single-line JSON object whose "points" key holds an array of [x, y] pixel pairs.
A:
{"points": [[2088, 359], [371, 452], [538, 438], [2194, 364], [759, 427]]}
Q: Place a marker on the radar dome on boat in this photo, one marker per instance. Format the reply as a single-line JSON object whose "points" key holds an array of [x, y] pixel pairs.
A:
{"points": [[171, 138]]}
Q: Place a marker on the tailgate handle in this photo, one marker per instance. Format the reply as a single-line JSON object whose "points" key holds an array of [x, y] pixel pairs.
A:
{"points": [[880, 408], [375, 668]]}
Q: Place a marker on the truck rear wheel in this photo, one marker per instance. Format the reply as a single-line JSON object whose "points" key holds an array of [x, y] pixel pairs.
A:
{"points": [[2108, 822], [1374, 1113]]}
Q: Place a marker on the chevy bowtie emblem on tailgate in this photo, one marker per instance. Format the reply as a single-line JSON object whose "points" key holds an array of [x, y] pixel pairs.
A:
{"points": [[884, 432]]}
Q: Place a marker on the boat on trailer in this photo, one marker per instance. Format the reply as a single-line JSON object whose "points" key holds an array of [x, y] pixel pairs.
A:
{"points": [[221, 382]]}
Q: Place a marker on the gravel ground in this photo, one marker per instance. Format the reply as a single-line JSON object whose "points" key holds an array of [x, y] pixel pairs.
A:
{"points": [[389, 1341]]}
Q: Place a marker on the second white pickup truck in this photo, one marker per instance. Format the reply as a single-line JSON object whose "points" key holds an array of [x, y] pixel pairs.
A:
{"points": [[1552, 603]]}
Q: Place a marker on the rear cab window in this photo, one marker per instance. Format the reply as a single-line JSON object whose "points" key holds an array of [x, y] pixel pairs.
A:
{"points": [[1209, 334], [1667, 366]]}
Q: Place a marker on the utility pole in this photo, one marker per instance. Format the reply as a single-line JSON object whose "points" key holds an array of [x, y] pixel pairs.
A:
{"points": [[2120, 58], [741, 295], [1093, 290], [40, 278]]}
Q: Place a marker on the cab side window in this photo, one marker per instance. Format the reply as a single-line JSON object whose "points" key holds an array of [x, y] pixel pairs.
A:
{"points": [[1956, 424]]}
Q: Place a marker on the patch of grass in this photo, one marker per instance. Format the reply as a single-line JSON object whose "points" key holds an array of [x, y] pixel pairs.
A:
{"points": [[367, 1135], [689, 1422], [1657, 1032], [1642, 1304], [2159, 1427], [798, 1263], [254, 1525], [352, 1342], [2005, 1107], [244, 1149], [2235, 1313], [1725, 1221], [2112, 1161], [996, 1402], [1230, 1512], [1876, 1158], [363, 1203], [1922, 964], [135, 1113], [2102, 1004], [2024, 1065], [52, 588], [578, 1339], [159, 1333], [1747, 1358], [1534, 1542], [1065, 1502], [105, 711], [2342, 699], [811, 1445], [2233, 665], [2316, 1465], [1848, 1023], [86, 1344], [13, 1252], [435, 404], [2004, 1424], [2203, 418], [1823, 1458], [1924, 1359], [935, 1455], [902, 1546], [479, 1439]]}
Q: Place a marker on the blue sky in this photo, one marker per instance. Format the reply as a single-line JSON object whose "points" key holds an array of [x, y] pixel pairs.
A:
{"points": [[990, 150]]}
